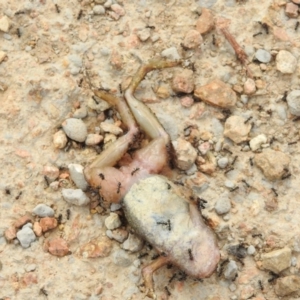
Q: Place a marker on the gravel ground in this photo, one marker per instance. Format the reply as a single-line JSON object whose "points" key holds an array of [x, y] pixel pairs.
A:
{"points": [[247, 146]]}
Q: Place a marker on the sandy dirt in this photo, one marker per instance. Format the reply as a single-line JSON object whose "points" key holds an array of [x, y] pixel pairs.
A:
{"points": [[47, 49]]}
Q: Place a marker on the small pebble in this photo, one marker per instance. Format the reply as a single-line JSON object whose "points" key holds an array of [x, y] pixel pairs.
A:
{"points": [[230, 270], [294, 261], [287, 285], [80, 113], [57, 246], [48, 223], [115, 206], [60, 139], [277, 260], [93, 139], [2, 56], [26, 236], [76, 173], [192, 39], [108, 3], [43, 210], [51, 173], [122, 258], [293, 100], [187, 101], [263, 56], [216, 93], [99, 10], [222, 206], [223, 162], [170, 53], [205, 23], [249, 86], [112, 221], [111, 128], [251, 250], [183, 81], [75, 129], [204, 148], [256, 142], [291, 10], [236, 129], [75, 197], [144, 34], [37, 229], [133, 243], [4, 24], [286, 62], [100, 247], [30, 267], [186, 154], [119, 234]]}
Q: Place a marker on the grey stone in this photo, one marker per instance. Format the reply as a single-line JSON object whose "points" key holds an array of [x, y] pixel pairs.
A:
{"points": [[293, 101], [75, 129], [112, 221], [121, 258], [144, 34], [223, 162], [75, 197], [30, 267], [43, 210], [133, 243], [115, 206], [230, 270], [263, 56], [80, 113], [119, 234], [222, 206], [26, 236], [76, 172], [277, 260]]}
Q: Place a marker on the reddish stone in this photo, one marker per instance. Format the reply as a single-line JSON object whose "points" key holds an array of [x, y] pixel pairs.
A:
{"points": [[57, 247], [23, 220], [48, 223], [205, 22], [10, 233]]}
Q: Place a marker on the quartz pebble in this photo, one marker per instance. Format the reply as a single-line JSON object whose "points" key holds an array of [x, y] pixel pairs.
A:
{"points": [[272, 163], [192, 39], [4, 24], [293, 100], [251, 250], [60, 139], [100, 247], [76, 172], [43, 210], [205, 23], [93, 139], [223, 162], [133, 243], [144, 34], [26, 236], [80, 113], [257, 141], [75, 197], [185, 154], [287, 285], [187, 101], [183, 81], [2, 56], [222, 206], [98, 10], [230, 270], [170, 53], [119, 234], [112, 221], [236, 129], [263, 56], [277, 260], [286, 62], [216, 93], [111, 128], [75, 129], [51, 173]]}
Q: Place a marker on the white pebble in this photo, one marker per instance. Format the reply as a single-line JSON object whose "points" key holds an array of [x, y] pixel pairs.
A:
{"points": [[263, 56], [93, 139], [222, 206], [76, 173], [4, 24], [80, 113], [76, 197], [99, 10], [115, 206], [257, 141], [286, 62], [144, 34], [293, 100], [111, 128], [251, 250], [43, 210], [75, 129], [60, 139], [26, 236], [133, 243], [223, 162], [112, 221], [230, 270]]}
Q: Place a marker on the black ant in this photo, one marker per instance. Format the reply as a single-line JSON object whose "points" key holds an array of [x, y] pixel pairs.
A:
{"points": [[190, 254], [57, 8], [68, 214], [134, 171], [79, 15], [101, 176], [119, 187]]}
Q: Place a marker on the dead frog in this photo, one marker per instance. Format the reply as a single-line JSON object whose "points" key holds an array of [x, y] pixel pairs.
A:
{"points": [[150, 200]]}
